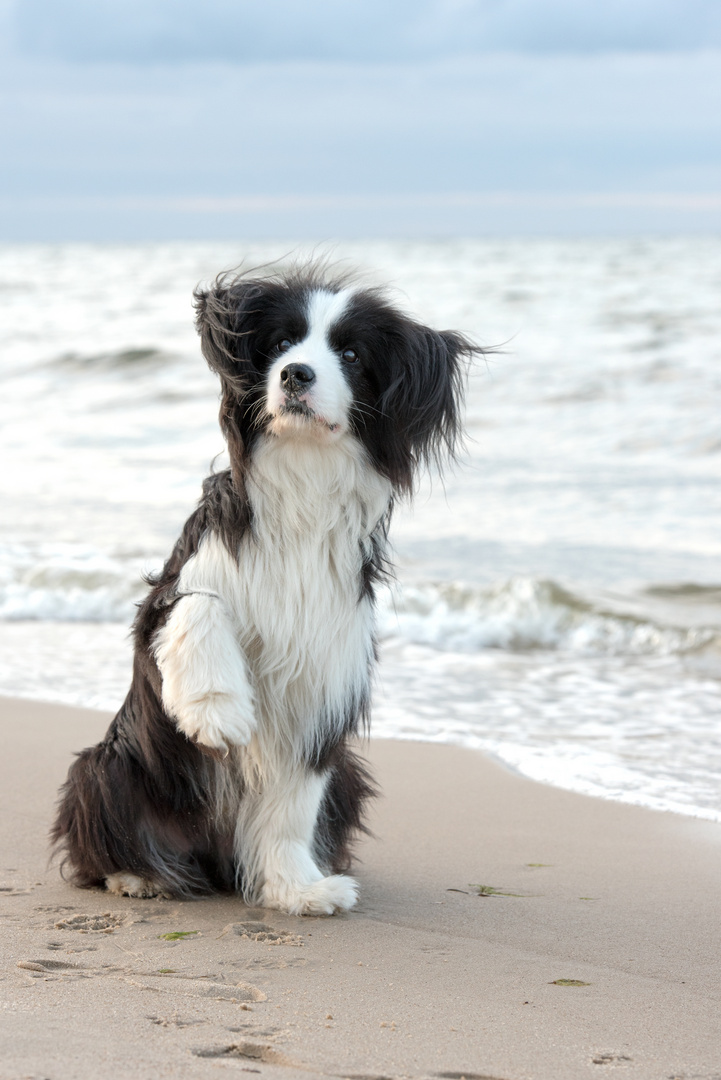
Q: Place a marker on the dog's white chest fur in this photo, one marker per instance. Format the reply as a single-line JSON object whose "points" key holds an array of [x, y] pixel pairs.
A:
{"points": [[294, 593]]}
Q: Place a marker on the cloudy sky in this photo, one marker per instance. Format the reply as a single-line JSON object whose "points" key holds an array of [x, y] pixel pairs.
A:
{"points": [[123, 119]]}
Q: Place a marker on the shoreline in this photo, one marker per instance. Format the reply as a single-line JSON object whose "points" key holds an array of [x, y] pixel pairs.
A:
{"points": [[425, 978], [697, 813]]}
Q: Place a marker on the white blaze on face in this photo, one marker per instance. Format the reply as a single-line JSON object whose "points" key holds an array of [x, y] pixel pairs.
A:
{"points": [[328, 396]]}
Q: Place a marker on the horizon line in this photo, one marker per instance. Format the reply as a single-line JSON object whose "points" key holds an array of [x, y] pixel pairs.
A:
{"points": [[253, 203]]}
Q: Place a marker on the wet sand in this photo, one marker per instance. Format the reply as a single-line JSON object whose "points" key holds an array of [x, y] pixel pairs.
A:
{"points": [[426, 978]]}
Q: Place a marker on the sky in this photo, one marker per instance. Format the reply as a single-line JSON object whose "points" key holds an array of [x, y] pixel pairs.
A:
{"points": [[171, 119]]}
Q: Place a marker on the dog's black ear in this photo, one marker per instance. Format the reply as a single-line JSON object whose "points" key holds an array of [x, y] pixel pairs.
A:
{"points": [[422, 405], [430, 394], [226, 318], [223, 318]]}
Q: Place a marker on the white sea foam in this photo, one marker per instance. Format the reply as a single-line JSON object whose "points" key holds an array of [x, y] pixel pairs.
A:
{"points": [[74, 583], [68, 583], [526, 613]]}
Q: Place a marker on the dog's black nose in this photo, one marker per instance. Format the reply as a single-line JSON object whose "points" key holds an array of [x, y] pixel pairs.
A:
{"points": [[295, 378]]}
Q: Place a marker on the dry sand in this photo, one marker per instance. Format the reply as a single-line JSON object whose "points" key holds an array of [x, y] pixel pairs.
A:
{"points": [[425, 979]]}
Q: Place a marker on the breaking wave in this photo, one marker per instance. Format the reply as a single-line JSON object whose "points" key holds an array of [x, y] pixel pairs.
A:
{"points": [[68, 583], [529, 613]]}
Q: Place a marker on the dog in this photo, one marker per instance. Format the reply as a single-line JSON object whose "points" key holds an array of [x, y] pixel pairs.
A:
{"points": [[230, 765]]}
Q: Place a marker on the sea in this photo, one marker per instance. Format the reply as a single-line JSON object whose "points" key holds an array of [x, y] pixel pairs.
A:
{"points": [[557, 602]]}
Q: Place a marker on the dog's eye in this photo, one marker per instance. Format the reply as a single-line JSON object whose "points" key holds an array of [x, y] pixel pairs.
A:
{"points": [[284, 345], [350, 356]]}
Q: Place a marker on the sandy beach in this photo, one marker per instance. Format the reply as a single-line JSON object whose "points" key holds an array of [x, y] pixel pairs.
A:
{"points": [[594, 951]]}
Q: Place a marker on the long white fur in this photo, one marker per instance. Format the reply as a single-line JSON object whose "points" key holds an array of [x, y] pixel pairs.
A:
{"points": [[275, 832], [275, 661], [206, 688]]}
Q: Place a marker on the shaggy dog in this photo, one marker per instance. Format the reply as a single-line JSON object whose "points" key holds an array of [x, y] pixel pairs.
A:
{"points": [[229, 765]]}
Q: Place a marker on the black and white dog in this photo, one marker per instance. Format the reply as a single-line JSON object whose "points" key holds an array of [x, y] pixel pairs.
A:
{"points": [[229, 765]]}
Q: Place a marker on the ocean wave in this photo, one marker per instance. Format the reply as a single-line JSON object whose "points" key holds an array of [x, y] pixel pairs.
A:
{"points": [[70, 583], [129, 359], [529, 613]]}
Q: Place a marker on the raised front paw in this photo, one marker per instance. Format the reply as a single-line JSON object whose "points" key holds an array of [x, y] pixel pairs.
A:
{"points": [[216, 720], [323, 897]]}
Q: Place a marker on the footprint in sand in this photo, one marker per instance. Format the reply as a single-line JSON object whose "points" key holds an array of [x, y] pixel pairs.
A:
{"points": [[247, 1050], [252, 930], [366, 1076], [57, 946], [238, 993], [53, 969], [466, 1076], [174, 1021], [271, 1032], [47, 965], [106, 923]]}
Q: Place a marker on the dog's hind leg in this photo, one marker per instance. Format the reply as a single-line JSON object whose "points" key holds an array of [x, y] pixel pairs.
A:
{"points": [[111, 833], [275, 840]]}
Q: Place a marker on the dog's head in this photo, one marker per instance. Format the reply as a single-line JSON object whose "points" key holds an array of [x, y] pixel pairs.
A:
{"points": [[310, 356]]}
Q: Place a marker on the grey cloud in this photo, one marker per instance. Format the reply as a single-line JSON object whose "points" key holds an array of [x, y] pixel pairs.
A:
{"points": [[494, 123], [241, 31], [201, 146]]}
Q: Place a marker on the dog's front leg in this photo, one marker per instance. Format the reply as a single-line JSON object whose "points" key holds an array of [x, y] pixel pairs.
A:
{"points": [[275, 846], [206, 688]]}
